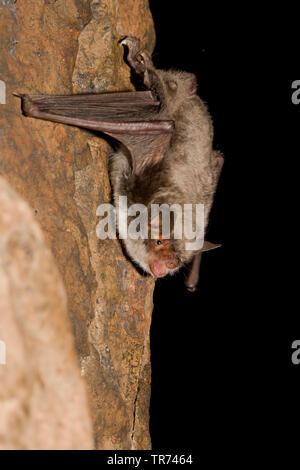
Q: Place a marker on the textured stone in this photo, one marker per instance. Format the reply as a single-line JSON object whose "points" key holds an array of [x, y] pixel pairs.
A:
{"points": [[43, 400], [59, 47]]}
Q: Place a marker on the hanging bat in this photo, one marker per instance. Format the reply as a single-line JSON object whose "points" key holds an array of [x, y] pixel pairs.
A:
{"points": [[165, 154]]}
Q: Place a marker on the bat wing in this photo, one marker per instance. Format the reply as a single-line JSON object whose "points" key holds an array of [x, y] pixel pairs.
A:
{"points": [[129, 117]]}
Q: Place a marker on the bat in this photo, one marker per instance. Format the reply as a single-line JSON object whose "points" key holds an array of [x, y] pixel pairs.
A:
{"points": [[165, 153]]}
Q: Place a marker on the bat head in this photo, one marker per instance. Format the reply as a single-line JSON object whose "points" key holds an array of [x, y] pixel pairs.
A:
{"points": [[156, 255], [161, 257]]}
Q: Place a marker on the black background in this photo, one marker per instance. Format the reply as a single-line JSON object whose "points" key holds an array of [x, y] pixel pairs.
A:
{"points": [[222, 376]]}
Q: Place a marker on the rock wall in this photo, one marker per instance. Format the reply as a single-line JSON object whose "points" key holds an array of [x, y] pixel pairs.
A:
{"points": [[65, 47], [43, 400]]}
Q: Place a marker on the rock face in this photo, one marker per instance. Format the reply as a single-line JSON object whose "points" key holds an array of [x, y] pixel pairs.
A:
{"points": [[43, 401], [58, 47]]}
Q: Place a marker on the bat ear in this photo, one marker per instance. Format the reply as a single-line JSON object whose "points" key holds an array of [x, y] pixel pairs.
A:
{"points": [[192, 83], [207, 246], [172, 85], [218, 159]]}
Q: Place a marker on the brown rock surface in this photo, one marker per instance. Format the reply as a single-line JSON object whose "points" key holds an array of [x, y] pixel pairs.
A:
{"points": [[43, 400], [59, 47]]}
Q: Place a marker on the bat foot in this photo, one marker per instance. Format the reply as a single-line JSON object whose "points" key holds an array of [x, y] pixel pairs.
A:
{"points": [[132, 43], [135, 57]]}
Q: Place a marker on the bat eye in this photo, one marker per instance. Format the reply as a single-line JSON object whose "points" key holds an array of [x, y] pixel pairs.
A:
{"points": [[158, 242], [139, 58]]}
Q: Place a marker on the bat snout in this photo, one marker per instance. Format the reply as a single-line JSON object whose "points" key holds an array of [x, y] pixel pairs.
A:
{"points": [[158, 268], [161, 268]]}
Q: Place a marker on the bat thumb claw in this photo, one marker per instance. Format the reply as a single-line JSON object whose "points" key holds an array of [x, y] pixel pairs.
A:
{"points": [[19, 95], [191, 288]]}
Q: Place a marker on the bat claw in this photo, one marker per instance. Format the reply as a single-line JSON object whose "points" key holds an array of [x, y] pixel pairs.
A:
{"points": [[132, 43], [191, 288]]}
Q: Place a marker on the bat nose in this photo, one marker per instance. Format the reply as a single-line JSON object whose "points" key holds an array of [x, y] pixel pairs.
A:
{"points": [[172, 264]]}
